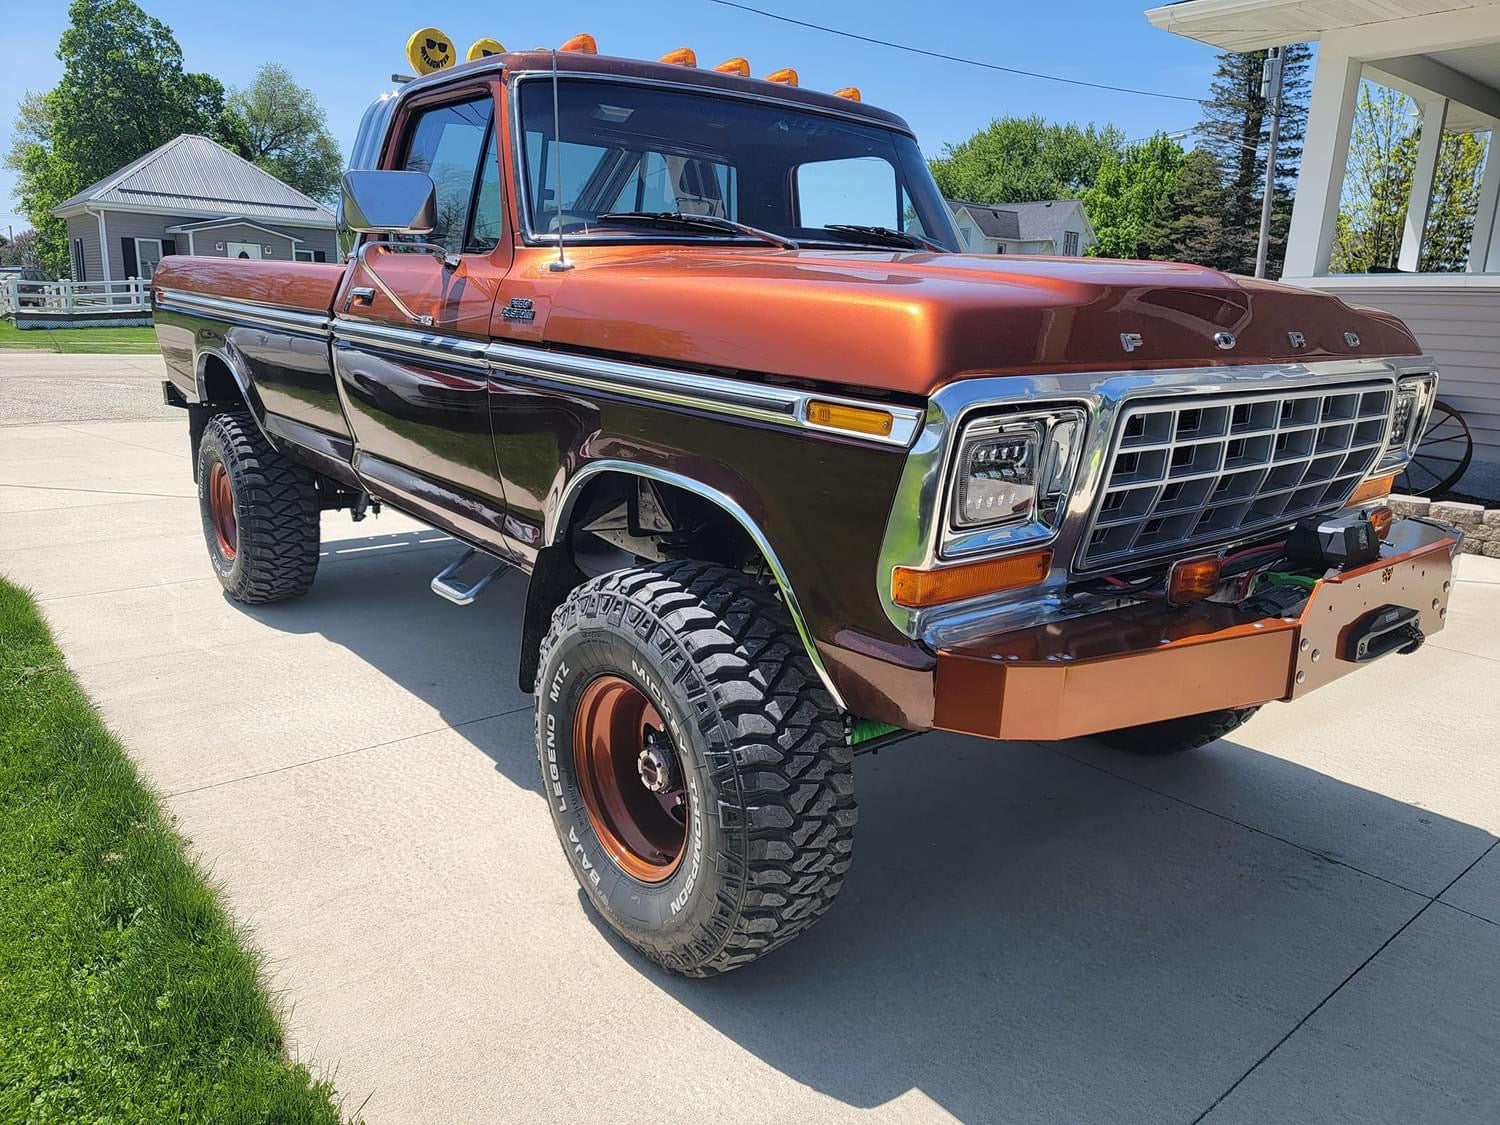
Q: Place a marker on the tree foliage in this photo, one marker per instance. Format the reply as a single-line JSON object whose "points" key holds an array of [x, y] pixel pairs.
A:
{"points": [[21, 250], [1127, 193], [1377, 189], [1188, 223], [1236, 130], [279, 126], [1018, 159]]}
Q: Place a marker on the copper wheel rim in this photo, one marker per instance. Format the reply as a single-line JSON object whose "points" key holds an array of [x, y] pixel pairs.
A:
{"points": [[221, 510], [620, 749]]}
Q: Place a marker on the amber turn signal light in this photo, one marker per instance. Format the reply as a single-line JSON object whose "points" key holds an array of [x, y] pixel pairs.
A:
{"points": [[1192, 580], [1376, 488], [737, 65], [1381, 519], [786, 76], [855, 419], [917, 589], [582, 43], [683, 56]]}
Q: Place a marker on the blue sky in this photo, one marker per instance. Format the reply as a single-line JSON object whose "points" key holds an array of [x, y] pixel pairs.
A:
{"points": [[345, 52]]}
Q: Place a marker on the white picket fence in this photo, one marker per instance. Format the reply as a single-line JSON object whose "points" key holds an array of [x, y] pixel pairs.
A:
{"points": [[133, 295]]}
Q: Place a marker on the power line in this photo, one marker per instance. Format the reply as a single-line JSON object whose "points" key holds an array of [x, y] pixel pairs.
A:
{"points": [[953, 58]]}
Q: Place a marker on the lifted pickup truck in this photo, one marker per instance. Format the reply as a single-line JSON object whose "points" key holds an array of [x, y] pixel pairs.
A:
{"points": [[790, 477]]}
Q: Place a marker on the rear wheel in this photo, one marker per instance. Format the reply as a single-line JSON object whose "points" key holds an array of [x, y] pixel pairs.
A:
{"points": [[696, 768], [260, 512], [1174, 736]]}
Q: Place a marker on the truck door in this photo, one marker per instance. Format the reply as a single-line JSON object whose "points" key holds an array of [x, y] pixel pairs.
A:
{"points": [[412, 320]]}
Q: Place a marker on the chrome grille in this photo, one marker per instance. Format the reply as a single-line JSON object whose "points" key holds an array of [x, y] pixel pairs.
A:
{"points": [[1191, 471]]}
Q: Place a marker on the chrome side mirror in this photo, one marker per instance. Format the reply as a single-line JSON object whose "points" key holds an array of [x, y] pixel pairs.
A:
{"points": [[376, 201]]}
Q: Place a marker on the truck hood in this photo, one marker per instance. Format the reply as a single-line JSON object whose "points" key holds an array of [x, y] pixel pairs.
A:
{"points": [[910, 322]]}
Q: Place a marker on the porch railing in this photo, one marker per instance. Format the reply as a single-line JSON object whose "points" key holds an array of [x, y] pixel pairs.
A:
{"points": [[129, 296]]}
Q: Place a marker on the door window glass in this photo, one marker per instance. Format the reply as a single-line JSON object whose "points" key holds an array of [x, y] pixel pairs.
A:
{"points": [[484, 232], [448, 143]]}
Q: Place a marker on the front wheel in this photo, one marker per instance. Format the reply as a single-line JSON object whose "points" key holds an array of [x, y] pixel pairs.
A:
{"points": [[696, 768]]}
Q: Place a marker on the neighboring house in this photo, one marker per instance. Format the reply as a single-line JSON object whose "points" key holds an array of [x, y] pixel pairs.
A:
{"points": [[190, 196], [1048, 226], [1446, 57]]}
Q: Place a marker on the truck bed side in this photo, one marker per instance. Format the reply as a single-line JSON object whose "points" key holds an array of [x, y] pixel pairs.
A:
{"points": [[265, 326]]}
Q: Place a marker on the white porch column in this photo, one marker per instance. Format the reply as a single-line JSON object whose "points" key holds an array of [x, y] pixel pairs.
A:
{"points": [[1481, 249], [1419, 201], [1325, 152]]}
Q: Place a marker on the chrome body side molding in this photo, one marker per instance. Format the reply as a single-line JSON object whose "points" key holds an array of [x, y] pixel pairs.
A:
{"points": [[243, 312]]}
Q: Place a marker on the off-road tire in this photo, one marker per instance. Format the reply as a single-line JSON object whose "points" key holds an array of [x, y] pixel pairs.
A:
{"points": [[762, 750], [276, 513], [1174, 736]]}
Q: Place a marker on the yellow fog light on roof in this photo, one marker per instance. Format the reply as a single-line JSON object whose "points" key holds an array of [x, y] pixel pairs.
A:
{"points": [[786, 76], [850, 92], [854, 419], [736, 65], [917, 589], [583, 43], [683, 56]]}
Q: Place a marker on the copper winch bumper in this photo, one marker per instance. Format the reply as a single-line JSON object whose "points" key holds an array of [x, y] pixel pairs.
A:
{"points": [[1150, 661]]}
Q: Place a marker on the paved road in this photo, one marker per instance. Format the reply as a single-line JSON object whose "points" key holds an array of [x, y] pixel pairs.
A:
{"points": [[1299, 924]]}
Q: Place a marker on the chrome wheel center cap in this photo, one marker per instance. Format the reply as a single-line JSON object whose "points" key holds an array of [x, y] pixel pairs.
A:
{"points": [[655, 768]]}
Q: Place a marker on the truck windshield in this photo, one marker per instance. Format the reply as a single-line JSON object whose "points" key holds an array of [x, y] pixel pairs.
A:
{"points": [[806, 176]]}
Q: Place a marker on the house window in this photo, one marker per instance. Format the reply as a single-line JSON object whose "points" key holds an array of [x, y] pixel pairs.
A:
{"points": [[79, 272], [1070, 243], [302, 255], [147, 256], [965, 234], [999, 248]]}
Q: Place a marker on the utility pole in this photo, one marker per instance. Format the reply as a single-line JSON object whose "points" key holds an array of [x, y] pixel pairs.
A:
{"points": [[1270, 90]]}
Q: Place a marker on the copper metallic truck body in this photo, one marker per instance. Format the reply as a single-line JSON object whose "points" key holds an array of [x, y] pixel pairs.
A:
{"points": [[517, 392]]}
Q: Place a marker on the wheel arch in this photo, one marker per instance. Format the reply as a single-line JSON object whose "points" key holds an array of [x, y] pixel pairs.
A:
{"points": [[555, 571]]}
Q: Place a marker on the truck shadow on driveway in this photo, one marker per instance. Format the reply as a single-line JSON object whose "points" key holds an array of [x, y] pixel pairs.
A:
{"points": [[1036, 933]]}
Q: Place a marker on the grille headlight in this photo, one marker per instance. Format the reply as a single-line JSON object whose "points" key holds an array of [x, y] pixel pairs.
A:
{"points": [[1012, 477], [1409, 417]]}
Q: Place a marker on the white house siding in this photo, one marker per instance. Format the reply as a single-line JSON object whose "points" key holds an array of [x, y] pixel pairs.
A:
{"points": [[1459, 326], [274, 247], [85, 228], [134, 224]]}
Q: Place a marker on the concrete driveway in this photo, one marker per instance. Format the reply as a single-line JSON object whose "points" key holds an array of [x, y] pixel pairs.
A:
{"points": [[1299, 924]]}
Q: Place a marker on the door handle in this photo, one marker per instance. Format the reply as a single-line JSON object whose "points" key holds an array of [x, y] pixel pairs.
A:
{"points": [[363, 294]]}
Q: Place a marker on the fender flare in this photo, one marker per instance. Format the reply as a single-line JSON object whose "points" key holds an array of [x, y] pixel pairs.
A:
{"points": [[558, 515], [242, 381]]}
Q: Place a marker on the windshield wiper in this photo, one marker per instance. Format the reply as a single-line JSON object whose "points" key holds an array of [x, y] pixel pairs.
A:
{"points": [[694, 222], [885, 236]]}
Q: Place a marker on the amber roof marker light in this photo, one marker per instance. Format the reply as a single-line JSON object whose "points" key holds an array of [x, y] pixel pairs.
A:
{"points": [[736, 65], [682, 56], [581, 44], [786, 76]]}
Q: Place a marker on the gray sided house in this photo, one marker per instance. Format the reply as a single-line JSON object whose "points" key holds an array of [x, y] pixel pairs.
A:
{"points": [[190, 196], [1046, 226]]}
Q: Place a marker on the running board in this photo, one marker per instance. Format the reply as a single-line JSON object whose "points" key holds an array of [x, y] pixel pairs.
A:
{"points": [[445, 586]]}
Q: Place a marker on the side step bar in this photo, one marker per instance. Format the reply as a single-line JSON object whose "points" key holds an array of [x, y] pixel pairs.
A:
{"points": [[452, 589]]}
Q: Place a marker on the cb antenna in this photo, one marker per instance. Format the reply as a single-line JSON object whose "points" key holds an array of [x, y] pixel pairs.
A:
{"points": [[562, 262]]}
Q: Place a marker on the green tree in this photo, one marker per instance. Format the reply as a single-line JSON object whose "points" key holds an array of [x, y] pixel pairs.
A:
{"points": [[1455, 202], [1377, 182], [20, 251], [1236, 130], [1188, 223], [123, 92], [1126, 194], [1018, 159], [280, 127]]}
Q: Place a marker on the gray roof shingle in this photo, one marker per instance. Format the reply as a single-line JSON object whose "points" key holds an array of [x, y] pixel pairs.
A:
{"points": [[194, 174], [1040, 221]]}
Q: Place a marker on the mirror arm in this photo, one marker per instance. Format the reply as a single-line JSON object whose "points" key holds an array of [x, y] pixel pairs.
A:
{"points": [[449, 261]]}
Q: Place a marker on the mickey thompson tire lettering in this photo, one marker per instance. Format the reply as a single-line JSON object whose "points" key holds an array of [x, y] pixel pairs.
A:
{"points": [[770, 811], [276, 513]]}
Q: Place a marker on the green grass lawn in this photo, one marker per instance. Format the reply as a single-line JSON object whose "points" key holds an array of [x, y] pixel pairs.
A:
{"points": [[137, 341], [126, 994]]}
